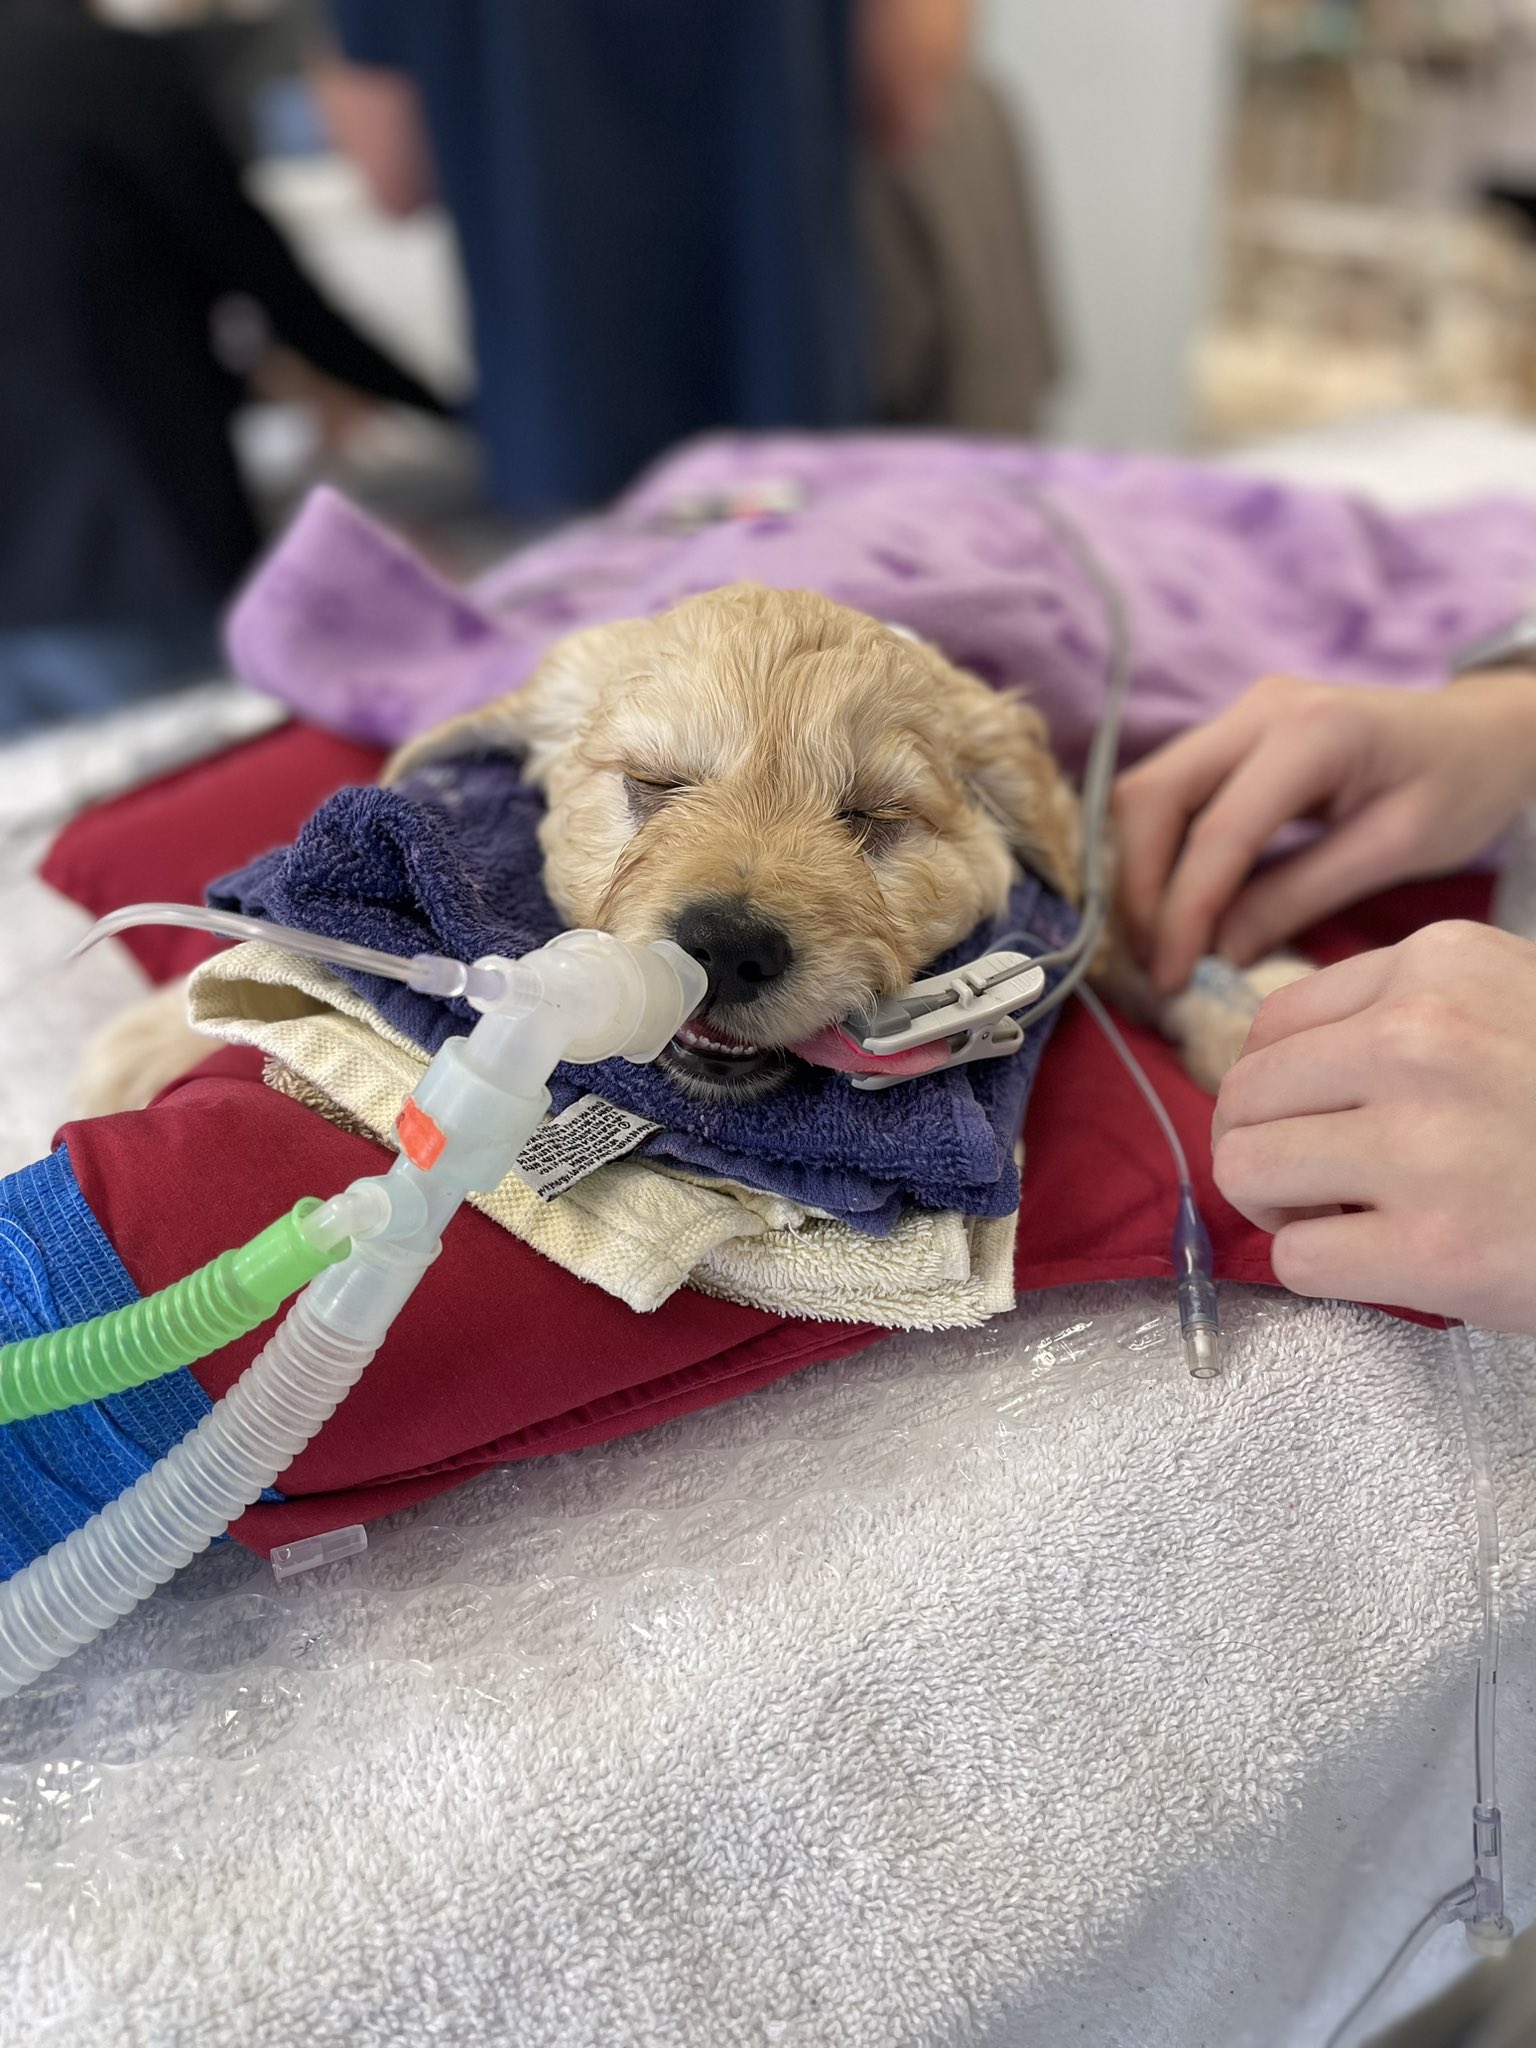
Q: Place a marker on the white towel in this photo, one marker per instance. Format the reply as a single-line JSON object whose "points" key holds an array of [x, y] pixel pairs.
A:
{"points": [[1000, 1689]]}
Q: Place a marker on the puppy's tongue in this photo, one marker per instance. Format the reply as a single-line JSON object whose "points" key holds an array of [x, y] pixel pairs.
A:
{"points": [[832, 1047]]}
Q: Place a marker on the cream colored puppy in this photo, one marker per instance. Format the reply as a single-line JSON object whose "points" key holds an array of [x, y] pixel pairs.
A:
{"points": [[812, 804]]}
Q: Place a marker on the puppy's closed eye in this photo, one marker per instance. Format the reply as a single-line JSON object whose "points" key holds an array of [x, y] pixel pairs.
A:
{"points": [[875, 832], [645, 794]]}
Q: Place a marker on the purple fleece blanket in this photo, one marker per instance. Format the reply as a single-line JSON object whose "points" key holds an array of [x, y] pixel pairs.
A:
{"points": [[450, 863], [1228, 579]]}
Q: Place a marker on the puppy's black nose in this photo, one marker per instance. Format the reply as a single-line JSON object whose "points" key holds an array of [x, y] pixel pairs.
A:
{"points": [[740, 950]]}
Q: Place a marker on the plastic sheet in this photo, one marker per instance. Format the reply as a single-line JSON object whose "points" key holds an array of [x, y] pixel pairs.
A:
{"points": [[1012, 1670]]}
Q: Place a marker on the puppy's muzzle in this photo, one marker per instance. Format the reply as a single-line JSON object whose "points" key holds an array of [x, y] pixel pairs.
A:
{"points": [[745, 955], [741, 951]]}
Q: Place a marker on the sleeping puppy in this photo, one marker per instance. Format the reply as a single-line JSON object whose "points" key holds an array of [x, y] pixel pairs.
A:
{"points": [[811, 803]]}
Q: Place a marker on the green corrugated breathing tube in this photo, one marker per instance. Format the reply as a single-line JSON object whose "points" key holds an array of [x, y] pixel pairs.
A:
{"points": [[186, 1321]]}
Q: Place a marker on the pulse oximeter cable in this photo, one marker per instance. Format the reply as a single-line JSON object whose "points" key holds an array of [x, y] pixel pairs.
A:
{"points": [[1103, 752], [1193, 1266]]}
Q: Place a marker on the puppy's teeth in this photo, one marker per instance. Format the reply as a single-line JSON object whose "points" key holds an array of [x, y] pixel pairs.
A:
{"points": [[698, 1041]]}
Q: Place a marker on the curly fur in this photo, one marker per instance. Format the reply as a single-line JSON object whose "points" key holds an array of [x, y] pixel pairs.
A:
{"points": [[843, 779]]}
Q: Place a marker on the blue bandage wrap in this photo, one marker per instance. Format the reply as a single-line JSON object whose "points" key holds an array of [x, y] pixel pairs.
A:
{"points": [[57, 1267]]}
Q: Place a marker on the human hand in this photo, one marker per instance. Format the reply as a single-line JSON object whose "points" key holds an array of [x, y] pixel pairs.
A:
{"points": [[1406, 783], [339, 413], [1382, 1123]]}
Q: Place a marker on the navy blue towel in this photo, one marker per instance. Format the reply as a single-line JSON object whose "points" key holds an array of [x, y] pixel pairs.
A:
{"points": [[450, 864]]}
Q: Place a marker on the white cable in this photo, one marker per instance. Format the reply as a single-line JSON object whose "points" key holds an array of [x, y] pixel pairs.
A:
{"points": [[1103, 752], [1138, 1074]]}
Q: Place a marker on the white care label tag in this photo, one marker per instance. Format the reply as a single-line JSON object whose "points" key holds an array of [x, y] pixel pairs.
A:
{"points": [[576, 1142]]}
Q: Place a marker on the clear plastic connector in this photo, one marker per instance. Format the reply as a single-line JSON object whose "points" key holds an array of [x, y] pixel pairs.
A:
{"points": [[330, 1547], [1202, 1350]]}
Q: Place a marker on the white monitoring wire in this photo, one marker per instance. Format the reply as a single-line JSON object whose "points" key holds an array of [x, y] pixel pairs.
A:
{"points": [[1199, 1318], [1138, 1074], [1103, 752]]}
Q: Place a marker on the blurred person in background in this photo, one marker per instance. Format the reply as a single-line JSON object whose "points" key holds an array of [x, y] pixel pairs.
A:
{"points": [[681, 215], [123, 228]]}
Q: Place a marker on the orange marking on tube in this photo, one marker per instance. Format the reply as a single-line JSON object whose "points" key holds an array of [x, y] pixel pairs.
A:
{"points": [[420, 1139]]}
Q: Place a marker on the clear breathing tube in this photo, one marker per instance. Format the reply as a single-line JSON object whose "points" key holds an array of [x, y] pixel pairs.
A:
{"points": [[431, 973]]}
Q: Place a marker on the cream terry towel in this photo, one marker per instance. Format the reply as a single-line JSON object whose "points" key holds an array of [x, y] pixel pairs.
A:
{"points": [[634, 1229]]}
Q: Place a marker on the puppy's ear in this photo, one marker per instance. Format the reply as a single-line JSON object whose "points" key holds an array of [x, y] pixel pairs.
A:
{"points": [[494, 729], [542, 719], [1006, 758]]}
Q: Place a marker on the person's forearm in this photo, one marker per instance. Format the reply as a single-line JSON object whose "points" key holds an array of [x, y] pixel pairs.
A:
{"points": [[303, 320], [177, 161], [1509, 695]]}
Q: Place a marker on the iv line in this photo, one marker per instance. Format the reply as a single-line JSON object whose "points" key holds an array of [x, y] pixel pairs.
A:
{"points": [[1478, 1902]]}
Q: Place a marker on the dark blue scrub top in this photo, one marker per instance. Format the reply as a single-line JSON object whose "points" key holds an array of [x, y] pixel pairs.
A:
{"points": [[654, 201]]}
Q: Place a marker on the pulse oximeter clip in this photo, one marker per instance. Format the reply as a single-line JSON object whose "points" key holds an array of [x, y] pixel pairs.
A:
{"points": [[971, 1008]]}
